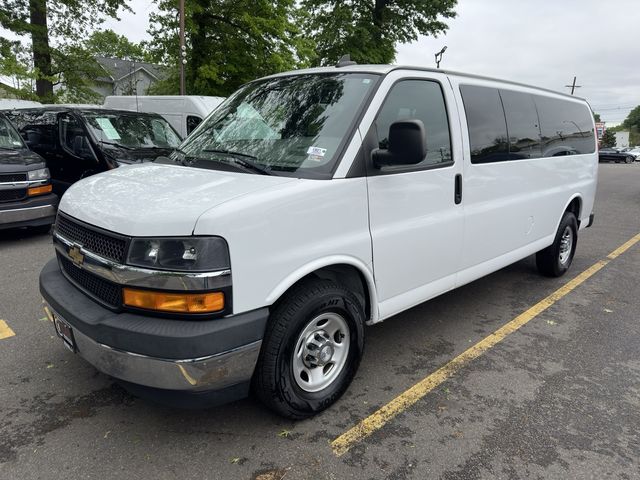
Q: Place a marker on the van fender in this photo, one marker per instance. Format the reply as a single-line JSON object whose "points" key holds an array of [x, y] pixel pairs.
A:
{"points": [[577, 195], [291, 279]]}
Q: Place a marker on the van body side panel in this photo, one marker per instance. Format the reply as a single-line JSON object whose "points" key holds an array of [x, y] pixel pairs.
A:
{"points": [[516, 205], [274, 233]]}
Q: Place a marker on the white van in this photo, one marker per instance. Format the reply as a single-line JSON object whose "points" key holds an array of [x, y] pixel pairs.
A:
{"points": [[308, 205], [183, 112]]}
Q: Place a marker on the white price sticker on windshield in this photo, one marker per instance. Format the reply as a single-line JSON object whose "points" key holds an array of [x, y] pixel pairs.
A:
{"points": [[316, 151], [108, 129]]}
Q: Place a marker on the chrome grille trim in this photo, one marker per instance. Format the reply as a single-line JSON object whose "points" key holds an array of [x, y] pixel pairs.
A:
{"points": [[127, 275]]}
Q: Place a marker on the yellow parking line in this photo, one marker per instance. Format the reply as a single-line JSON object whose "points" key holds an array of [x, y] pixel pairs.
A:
{"points": [[382, 416], [5, 331]]}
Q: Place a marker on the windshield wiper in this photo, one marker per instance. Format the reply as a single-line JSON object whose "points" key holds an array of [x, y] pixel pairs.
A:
{"points": [[116, 144], [10, 148], [243, 159]]}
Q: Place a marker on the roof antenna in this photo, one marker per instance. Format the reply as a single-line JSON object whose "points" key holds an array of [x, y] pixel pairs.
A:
{"points": [[345, 61]]}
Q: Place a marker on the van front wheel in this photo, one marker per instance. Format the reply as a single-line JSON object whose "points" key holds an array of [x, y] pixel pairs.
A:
{"points": [[556, 259], [311, 349]]}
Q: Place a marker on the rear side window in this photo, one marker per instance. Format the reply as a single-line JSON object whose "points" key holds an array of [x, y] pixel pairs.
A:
{"points": [[567, 127], [522, 125], [486, 123], [509, 125], [421, 100]]}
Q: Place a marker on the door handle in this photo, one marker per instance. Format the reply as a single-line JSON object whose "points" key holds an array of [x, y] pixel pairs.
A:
{"points": [[457, 196]]}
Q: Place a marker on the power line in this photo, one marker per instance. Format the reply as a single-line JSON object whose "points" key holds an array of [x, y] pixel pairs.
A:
{"points": [[573, 86]]}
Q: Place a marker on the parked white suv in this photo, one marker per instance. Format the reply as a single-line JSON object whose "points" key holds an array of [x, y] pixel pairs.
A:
{"points": [[308, 205]]}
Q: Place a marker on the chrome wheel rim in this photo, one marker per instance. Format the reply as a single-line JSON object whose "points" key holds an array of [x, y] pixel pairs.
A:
{"points": [[321, 352], [566, 244]]}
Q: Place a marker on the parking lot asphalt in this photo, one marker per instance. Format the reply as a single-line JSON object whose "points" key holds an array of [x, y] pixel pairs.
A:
{"points": [[557, 398]]}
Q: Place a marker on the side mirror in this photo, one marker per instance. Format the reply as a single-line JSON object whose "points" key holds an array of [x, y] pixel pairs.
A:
{"points": [[407, 144]]}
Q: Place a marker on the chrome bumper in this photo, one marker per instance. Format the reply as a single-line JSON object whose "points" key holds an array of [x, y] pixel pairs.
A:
{"points": [[213, 372], [25, 214]]}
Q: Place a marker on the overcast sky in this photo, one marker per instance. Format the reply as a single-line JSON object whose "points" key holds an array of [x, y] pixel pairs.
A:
{"points": [[540, 42]]}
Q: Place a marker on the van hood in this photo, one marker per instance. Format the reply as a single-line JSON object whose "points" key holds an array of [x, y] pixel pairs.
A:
{"points": [[157, 200], [12, 160]]}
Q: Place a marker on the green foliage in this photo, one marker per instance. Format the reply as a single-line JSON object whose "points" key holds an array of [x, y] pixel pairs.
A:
{"points": [[229, 42], [633, 119], [369, 30], [596, 117], [608, 139], [108, 43], [55, 29]]}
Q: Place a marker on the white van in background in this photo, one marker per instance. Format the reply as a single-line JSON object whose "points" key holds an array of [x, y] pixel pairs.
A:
{"points": [[12, 103], [183, 112]]}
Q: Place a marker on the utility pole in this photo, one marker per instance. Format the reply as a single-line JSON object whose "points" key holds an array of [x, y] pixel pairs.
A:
{"points": [[183, 48], [439, 56], [573, 86]]}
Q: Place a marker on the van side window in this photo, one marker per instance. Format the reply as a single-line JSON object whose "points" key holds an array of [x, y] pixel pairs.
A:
{"points": [[192, 122], [422, 100], [486, 123], [567, 127], [522, 125], [73, 137]]}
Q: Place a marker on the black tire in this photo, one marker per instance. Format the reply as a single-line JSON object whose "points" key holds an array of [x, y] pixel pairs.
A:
{"points": [[550, 261], [628, 160], [273, 382]]}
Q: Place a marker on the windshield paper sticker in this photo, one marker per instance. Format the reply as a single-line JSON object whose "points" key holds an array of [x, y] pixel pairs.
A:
{"points": [[316, 151], [107, 128]]}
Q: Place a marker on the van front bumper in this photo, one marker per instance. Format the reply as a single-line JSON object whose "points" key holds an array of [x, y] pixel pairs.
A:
{"points": [[31, 212], [178, 355]]}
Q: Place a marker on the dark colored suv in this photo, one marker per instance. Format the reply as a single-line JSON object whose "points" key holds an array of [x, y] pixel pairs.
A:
{"points": [[25, 189], [77, 142]]}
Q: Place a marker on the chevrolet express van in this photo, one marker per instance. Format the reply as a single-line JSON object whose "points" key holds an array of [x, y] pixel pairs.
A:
{"points": [[309, 205], [25, 188], [77, 141]]}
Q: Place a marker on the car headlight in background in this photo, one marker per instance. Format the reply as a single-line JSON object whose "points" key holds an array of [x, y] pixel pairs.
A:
{"points": [[40, 174], [181, 254]]}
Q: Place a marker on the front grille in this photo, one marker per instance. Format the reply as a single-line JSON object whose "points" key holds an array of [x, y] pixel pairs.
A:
{"points": [[13, 177], [13, 195], [99, 242], [107, 292]]}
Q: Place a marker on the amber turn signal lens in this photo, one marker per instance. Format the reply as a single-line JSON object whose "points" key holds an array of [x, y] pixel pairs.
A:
{"points": [[174, 302], [39, 190]]}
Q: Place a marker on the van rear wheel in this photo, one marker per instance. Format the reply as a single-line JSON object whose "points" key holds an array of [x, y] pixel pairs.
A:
{"points": [[556, 259], [311, 349]]}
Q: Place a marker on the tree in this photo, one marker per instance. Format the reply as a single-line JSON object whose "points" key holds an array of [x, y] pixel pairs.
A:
{"points": [[608, 139], [229, 42], [596, 117], [108, 43], [55, 28], [369, 30], [633, 119]]}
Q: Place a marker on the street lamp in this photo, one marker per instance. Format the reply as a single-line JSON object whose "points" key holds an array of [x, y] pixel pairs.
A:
{"points": [[439, 56]]}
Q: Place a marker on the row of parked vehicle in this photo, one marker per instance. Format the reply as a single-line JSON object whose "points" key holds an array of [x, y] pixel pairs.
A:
{"points": [[617, 155], [44, 149]]}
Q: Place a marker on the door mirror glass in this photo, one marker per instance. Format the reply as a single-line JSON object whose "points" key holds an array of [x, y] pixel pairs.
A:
{"points": [[407, 144]]}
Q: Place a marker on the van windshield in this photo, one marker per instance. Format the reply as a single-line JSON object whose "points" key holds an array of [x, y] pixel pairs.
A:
{"points": [[9, 138], [291, 126], [131, 130]]}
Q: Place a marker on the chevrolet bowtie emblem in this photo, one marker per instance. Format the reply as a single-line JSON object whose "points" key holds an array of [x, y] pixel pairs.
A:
{"points": [[76, 255]]}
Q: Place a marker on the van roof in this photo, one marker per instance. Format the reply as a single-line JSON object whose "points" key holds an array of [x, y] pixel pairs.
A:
{"points": [[385, 69]]}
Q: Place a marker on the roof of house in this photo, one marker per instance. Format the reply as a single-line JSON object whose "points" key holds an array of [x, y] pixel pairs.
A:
{"points": [[118, 68]]}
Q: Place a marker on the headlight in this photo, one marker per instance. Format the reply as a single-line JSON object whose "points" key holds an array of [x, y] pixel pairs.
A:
{"points": [[41, 174], [191, 254]]}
